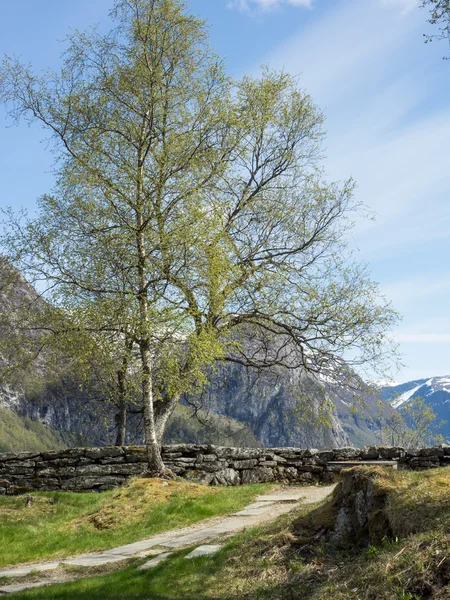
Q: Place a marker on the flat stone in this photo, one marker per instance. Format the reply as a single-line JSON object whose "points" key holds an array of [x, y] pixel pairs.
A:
{"points": [[257, 508], [134, 548], [20, 587], [154, 562], [252, 512], [230, 525], [206, 550], [287, 496], [95, 560], [189, 539], [27, 569], [148, 553], [226, 526]]}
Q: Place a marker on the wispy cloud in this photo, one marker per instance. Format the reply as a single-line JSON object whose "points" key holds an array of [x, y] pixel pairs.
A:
{"points": [[374, 86], [254, 7], [383, 92], [404, 5]]}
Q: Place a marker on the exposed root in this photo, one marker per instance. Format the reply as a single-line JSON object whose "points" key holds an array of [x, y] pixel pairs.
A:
{"points": [[164, 473]]}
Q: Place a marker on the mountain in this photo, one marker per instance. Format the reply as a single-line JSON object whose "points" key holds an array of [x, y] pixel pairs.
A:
{"points": [[288, 407], [294, 407], [435, 391]]}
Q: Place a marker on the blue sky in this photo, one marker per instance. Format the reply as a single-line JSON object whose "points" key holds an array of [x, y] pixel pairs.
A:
{"points": [[386, 97]]}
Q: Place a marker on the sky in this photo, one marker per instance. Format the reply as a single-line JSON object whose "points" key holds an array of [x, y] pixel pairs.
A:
{"points": [[385, 94]]}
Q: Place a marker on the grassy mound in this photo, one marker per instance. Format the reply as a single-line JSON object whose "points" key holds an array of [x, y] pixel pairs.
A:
{"points": [[46, 525], [130, 504]]}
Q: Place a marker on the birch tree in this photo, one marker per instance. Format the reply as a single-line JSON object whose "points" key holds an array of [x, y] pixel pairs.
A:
{"points": [[207, 197]]}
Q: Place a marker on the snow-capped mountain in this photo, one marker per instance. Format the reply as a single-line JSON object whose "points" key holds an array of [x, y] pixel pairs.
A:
{"points": [[435, 391]]}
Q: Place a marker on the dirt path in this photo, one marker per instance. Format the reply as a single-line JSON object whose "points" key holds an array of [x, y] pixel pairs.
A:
{"points": [[266, 508]]}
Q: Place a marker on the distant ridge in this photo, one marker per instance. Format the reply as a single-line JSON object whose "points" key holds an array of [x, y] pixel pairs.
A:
{"points": [[434, 390]]}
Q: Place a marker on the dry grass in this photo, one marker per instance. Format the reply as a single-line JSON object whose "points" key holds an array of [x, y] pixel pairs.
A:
{"points": [[28, 507], [129, 504]]}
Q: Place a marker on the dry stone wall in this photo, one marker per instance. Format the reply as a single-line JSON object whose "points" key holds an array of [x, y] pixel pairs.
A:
{"points": [[96, 469]]}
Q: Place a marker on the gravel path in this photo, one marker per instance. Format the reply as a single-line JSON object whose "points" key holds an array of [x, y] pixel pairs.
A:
{"points": [[265, 509]]}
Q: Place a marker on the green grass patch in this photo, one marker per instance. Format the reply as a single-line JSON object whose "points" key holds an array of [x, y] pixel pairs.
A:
{"points": [[284, 561], [61, 524], [231, 574]]}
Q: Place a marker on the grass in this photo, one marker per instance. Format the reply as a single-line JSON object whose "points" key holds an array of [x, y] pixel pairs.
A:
{"points": [[287, 560], [61, 524]]}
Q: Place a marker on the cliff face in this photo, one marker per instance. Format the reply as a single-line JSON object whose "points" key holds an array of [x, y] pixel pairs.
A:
{"points": [[64, 409], [284, 408]]}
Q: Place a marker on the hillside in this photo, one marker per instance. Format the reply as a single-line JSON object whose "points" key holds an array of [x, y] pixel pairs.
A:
{"points": [[21, 434], [296, 408]]}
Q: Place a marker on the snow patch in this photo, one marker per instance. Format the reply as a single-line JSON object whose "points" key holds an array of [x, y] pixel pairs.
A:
{"points": [[406, 396]]}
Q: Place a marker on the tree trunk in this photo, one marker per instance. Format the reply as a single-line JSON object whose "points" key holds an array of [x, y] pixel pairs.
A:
{"points": [[163, 414], [121, 416], [155, 464]]}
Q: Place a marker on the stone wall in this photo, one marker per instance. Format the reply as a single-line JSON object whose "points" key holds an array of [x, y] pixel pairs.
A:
{"points": [[95, 469]]}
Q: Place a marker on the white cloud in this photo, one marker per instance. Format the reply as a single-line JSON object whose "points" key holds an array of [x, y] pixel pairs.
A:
{"points": [[254, 7], [383, 92]]}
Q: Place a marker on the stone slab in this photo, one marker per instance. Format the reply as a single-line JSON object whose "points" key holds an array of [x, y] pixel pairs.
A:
{"points": [[206, 550], [154, 562], [253, 510], [21, 587], [148, 553], [27, 569], [95, 560], [135, 547], [256, 505], [282, 496], [189, 539]]}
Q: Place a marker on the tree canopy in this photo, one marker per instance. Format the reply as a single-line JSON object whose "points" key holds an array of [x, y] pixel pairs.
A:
{"points": [[190, 215]]}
